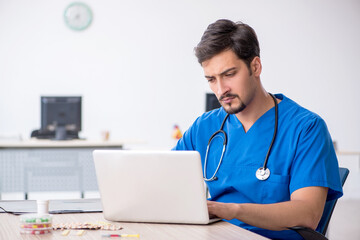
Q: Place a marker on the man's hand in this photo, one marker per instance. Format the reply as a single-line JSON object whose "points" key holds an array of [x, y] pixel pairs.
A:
{"points": [[222, 210]]}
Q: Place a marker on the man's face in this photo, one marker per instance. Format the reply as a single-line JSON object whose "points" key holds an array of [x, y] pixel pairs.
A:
{"points": [[231, 81]]}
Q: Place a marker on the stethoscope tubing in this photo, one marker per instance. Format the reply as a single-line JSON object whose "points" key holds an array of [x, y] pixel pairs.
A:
{"points": [[217, 169], [222, 153], [274, 134]]}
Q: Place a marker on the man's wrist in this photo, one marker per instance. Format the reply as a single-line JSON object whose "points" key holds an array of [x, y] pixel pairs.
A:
{"points": [[236, 210]]}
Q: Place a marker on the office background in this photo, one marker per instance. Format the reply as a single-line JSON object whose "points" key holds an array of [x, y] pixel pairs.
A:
{"points": [[135, 67], [136, 71]]}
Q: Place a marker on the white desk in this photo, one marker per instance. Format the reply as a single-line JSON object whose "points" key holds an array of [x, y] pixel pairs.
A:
{"points": [[47, 165], [76, 143], [9, 229], [351, 153]]}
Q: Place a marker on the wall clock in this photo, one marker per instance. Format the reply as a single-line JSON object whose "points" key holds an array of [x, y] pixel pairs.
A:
{"points": [[78, 16]]}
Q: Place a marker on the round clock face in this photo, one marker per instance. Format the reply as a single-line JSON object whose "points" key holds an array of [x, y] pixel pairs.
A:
{"points": [[78, 16]]}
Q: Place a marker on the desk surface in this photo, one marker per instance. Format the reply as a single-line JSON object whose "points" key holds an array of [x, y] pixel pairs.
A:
{"points": [[9, 229], [36, 143], [345, 152]]}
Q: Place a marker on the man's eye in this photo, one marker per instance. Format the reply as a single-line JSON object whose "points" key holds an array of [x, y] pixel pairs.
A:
{"points": [[229, 74], [210, 80]]}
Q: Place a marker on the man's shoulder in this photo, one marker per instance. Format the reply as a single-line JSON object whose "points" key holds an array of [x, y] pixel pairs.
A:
{"points": [[294, 113], [292, 109], [209, 119], [213, 115]]}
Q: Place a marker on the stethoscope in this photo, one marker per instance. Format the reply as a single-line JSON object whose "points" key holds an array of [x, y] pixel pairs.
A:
{"points": [[263, 172]]}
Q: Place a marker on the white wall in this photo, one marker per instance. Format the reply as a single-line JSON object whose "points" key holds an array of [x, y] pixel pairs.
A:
{"points": [[138, 76]]}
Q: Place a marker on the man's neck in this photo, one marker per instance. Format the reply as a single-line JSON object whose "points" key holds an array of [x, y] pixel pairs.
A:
{"points": [[261, 103]]}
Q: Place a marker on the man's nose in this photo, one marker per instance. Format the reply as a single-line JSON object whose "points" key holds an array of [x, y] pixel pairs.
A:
{"points": [[222, 87]]}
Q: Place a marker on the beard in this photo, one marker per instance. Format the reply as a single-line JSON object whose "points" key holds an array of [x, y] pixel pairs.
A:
{"points": [[232, 108]]}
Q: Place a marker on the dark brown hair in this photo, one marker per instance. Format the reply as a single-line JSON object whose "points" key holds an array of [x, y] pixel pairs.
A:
{"points": [[225, 34]]}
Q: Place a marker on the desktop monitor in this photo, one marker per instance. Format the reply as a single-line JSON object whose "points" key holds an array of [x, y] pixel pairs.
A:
{"points": [[211, 102], [61, 116]]}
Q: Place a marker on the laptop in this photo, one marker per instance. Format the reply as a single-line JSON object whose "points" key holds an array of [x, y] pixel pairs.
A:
{"points": [[151, 186]]}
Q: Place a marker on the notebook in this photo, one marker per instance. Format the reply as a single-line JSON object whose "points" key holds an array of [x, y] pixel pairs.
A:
{"points": [[151, 186]]}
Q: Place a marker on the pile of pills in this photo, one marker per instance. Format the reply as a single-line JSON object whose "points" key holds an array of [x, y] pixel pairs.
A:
{"points": [[35, 224], [41, 223], [86, 226]]}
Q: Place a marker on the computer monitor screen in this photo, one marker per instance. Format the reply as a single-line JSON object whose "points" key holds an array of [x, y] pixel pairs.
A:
{"points": [[211, 102], [61, 115]]}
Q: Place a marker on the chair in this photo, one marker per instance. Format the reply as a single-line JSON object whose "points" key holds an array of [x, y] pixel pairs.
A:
{"points": [[319, 233]]}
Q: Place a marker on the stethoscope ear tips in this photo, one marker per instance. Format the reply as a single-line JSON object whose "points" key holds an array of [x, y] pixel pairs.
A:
{"points": [[215, 178]]}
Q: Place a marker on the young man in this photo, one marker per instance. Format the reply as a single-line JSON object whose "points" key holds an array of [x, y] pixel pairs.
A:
{"points": [[278, 165]]}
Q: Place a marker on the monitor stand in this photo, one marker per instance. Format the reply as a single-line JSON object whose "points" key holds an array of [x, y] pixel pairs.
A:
{"points": [[60, 133]]}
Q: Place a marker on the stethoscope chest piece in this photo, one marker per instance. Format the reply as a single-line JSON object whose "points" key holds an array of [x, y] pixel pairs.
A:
{"points": [[262, 174]]}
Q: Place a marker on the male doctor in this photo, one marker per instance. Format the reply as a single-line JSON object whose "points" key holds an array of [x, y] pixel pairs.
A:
{"points": [[302, 169]]}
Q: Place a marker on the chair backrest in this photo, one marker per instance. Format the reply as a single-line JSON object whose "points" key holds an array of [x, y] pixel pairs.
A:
{"points": [[330, 205]]}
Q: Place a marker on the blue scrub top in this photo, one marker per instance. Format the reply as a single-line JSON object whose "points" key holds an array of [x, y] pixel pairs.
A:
{"points": [[302, 155]]}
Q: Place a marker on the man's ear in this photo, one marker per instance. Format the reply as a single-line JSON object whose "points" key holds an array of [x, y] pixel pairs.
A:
{"points": [[256, 66]]}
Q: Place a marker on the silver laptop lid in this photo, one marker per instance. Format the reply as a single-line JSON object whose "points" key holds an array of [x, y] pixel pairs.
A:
{"points": [[151, 186]]}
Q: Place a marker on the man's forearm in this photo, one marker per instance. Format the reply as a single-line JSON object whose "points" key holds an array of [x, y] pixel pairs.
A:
{"points": [[278, 216], [300, 211]]}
